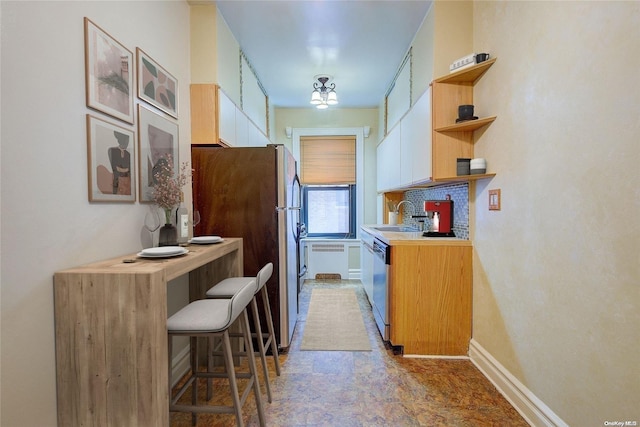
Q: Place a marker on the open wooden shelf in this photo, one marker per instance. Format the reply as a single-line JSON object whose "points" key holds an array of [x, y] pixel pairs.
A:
{"points": [[451, 140], [470, 125], [465, 178], [467, 75]]}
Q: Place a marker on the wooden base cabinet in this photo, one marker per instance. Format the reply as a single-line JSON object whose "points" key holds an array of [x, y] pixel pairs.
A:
{"points": [[430, 291]]}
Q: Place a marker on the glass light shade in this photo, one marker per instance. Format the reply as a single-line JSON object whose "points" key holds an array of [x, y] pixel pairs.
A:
{"points": [[332, 98], [322, 106], [315, 97]]}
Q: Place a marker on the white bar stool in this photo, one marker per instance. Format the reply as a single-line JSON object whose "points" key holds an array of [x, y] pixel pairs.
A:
{"points": [[212, 318], [227, 288]]}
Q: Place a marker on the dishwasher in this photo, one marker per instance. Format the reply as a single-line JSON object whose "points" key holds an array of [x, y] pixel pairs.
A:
{"points": [[382, 260]]}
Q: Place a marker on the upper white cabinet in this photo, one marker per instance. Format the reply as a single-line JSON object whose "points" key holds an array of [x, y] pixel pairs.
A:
{"points": [[404, 156], [415, 144], [215, 118], [388, 161], [227, 117], [255, 137], [242, 129]]}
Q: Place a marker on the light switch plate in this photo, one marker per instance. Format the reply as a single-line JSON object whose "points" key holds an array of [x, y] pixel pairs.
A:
{"points": [[494, 200]]}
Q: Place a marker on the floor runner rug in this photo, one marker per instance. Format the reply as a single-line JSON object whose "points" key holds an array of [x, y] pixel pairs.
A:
{"points": [[334, 322]]}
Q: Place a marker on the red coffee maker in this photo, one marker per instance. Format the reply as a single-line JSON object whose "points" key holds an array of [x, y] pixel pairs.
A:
{"points": [[444, 209]]}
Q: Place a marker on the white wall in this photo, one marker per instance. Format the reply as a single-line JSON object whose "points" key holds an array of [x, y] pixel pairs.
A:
{"points": [[557, 270], [228, 60], [47, 222]]}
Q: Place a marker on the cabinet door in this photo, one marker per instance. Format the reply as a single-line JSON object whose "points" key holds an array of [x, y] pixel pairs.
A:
{"points": [[406, 147], [421, 139], [242, 131], [204, 119], [253, 139], [388, 161], [256, 137], [263, 140], [415, 144], [227, 119], [431, 294]]}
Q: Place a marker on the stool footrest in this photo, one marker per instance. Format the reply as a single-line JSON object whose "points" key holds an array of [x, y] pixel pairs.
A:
{"points": [[209, 408], [205, 409]]}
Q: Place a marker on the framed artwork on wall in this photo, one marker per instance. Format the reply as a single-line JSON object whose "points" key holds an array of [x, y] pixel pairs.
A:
{"points": [[108, 73], [157, 139], [110, 161], [156, 85]]}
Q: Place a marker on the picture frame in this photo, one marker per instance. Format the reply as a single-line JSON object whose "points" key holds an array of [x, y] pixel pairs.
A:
{"points": [[109, 74], [156, 85], [157, 138], [111, 161]]}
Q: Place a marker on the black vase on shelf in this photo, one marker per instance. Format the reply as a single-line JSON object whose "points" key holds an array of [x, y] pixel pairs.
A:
{"points": [[168, 235]]}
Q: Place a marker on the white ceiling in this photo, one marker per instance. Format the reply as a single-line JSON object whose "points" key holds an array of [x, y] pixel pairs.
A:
{"points": [[360, 43]]}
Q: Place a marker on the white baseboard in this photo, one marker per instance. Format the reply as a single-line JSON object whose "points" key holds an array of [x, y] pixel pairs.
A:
{"points": [[354, 274], [532, 409], [180, 365], [434, 356]]}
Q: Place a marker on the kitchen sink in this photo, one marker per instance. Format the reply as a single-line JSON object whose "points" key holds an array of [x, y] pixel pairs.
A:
{"points": [[397, 228]]}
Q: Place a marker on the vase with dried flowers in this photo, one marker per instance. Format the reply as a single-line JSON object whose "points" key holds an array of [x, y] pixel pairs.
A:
{"points": [[167, 190]]}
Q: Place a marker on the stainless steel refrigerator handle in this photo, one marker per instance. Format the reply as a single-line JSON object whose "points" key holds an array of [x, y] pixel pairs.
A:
{"points": [[284, 208]]}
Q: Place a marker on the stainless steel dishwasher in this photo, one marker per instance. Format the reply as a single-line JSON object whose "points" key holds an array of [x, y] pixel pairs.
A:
{"points": [[381, 263]]}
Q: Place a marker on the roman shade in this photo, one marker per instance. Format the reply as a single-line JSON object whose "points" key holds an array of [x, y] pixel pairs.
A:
{"points": [[326, 160]]}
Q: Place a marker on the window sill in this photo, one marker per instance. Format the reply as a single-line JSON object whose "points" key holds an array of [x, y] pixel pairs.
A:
{"points": [[328, 239]]}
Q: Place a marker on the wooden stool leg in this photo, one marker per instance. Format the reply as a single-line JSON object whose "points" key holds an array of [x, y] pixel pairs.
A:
{"points": [[272, 335], [210, 348], [261, 349], [194, 385], [231, 373], [253, 367], [170, 342]]}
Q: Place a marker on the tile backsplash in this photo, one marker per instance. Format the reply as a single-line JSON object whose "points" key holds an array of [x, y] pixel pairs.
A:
{"points": [[460, 196]]}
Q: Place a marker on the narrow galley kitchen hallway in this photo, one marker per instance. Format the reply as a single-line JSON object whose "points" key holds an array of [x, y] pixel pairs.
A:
{"points": [[368, 388]]}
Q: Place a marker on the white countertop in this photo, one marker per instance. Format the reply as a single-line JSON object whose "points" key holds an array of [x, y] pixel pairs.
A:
{"points": [[411, 237]]}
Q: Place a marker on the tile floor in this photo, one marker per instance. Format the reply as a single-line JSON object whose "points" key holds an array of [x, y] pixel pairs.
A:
{"points": [[372, 389]]}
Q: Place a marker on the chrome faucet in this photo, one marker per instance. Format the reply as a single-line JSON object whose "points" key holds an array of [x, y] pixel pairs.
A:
{"points": [[405, 201]]}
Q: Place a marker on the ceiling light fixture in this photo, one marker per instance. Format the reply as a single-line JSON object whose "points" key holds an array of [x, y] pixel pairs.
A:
{"points": [[323, 95]]}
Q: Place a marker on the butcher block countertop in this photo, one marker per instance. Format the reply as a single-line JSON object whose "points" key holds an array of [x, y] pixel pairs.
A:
{"points": [[396, 238]]}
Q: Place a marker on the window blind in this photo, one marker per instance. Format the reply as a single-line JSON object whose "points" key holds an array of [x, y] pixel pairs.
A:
{"points": [[327, 160]]}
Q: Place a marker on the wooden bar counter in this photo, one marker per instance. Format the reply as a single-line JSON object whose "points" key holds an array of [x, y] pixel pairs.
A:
{"points": [[111, 336]]}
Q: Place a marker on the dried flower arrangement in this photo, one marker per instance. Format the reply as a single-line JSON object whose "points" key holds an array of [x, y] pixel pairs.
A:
{"points": [[167, 187]]}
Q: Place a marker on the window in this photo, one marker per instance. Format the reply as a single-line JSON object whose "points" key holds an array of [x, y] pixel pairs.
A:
{"points": [[329, 210], [300, 135], [328, 178]]}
